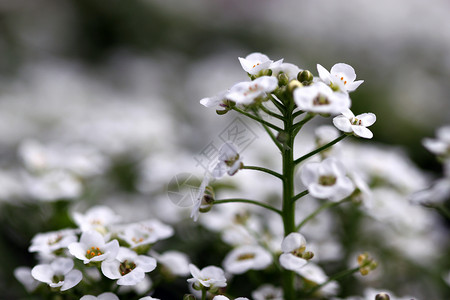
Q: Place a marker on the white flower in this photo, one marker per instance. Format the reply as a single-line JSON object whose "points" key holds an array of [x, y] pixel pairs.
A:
{"points": [[49, 242], [92, 248], [128, 267], [247, 257], [177, 263], [246, 92], [53, 185], [210, 277], [439, 192], [148, 298], [229, 161], [59, 273], [256, 62], [293, 246], [320, 98], [145, 232], [314, 273], [441, 145], [290, 70], [222, 297], [267, 292], [97, 218], [104, 296], [347, 122], [327, 180], [200, 197], [23, 275], [214, 100], [342, 77]]}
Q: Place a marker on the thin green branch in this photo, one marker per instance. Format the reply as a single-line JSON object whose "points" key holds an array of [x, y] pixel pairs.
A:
{"points": [[234, 200], [320, 149], [270, 133], [335, 277], [270, 113], [300, 195], [278, 104], [297, 113], [297, 126], [261, 169], [257, 119], [319, 210]]}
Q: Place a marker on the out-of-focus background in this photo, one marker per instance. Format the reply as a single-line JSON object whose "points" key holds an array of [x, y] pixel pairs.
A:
{"points": [[124, 79]]}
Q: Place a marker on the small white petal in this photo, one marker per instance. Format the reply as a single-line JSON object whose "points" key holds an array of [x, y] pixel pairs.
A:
{"points": [[292, 262], [293, 241], [362, 131], [71, 279]]}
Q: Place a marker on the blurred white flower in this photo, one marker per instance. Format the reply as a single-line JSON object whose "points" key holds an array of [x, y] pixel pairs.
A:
{"points": [[47, 243], [257, 62], [128, 267], [222, 297], [341, 78], [23, 275], [320, 98], [325, 134], [441, 145], [93, 248], [439, 192], [293, 246], [53, 185], [145, 232], [214, 100], [229, 161], [267, 292], [176, 262], [247, 257], [314, 273], [148, 298], [199, 200], [97, 218], [103, 296], [347, 122], [327, 180], [58, 274], [210, 277], [247, 91]]}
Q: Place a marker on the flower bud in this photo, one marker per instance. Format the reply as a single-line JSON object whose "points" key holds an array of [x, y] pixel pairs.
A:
{"points": [[283, 79], [267, 72], [305, 76], [382, 296], [293, 85], [282, 137], [308, 255], [188, 297]]}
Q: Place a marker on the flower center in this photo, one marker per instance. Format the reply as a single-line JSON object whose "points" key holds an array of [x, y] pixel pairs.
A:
{"points": [[93, 251], [137, 240], [320, 100], [251, 88], [356, 121], [246, 256], [327, 180], [126, 267], [255, 65], [57, 278]]}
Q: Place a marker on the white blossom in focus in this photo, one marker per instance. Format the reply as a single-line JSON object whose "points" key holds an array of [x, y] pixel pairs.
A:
{"points": [[341, 77], [347, 122], [92, 247], [128, 267], [210, 277], [293, 246], [289, 69], [257, 62], [247, 91], [229, 161], [327, 180], [320, 98], [58, 274]]}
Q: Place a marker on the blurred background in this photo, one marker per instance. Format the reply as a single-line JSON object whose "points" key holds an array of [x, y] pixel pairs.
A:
{"points": [[124, 79]]}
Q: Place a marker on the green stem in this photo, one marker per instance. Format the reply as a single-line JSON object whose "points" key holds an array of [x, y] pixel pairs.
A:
{"points": [[261, 169], [297, 113], [288, 210], [320, 149], [248, 201], [317, 211], [300, 195], [441, 209], [257, 119], [278, 104], [203, 293]]}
